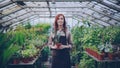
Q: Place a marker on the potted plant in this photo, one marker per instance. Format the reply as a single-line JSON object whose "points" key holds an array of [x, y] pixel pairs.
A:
{"points": [[45, 54], [25, 55], [56, 40], [75, 58], [107, 49], [16, 57]]}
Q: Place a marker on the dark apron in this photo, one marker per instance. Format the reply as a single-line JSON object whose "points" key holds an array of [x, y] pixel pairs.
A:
{"points": [[61, 58]]}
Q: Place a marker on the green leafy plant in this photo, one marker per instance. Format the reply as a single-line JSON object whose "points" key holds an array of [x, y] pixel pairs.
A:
{"points": [[28, 25], [7, 54], [45, 53], [75, 57], [106, 47]]}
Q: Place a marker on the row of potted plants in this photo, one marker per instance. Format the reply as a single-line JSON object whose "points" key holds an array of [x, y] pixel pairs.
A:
{"points": [[93, 36], [14, 40], [103, 55], [25, 55], [95, 54]]}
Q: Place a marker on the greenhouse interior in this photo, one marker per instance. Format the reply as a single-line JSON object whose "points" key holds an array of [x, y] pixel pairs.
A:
{"points": [[26, 27]]}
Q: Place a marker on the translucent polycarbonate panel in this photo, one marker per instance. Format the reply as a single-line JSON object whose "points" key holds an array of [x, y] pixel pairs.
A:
{"points": [[36, 4], [65, 4], [8, 7], [4, 1], [15, 15], [10, 10], [40, 9], [105, 18], [113, 2], [20, 18], [113, 22], [101, 22], [19, 13]]}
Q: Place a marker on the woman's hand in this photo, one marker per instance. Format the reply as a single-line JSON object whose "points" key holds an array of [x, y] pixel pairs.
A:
{"points": [[54, 47], [62, 47], [65, 46]]}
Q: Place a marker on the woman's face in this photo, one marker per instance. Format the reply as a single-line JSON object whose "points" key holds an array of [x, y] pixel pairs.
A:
{"points": [[60, 20]]}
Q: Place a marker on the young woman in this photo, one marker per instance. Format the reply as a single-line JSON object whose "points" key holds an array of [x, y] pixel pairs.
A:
{"points": [[60, 52]]}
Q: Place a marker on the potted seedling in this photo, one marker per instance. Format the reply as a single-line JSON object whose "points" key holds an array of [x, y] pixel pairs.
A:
{"points": [[25, 55], [56, 40], [45, 54], [75, 58], [107, 49], [16, 58]]}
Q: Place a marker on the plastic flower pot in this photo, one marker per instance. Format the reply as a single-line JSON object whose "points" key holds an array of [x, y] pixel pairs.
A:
{"points": [[111, 56], [25, 60], [31, 58], [101, 56], [58, 45], [16, 61]]}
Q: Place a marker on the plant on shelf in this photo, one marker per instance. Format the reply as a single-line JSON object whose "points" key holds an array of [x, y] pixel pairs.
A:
{"points": [[16, 57], [45, 53], [75, 58], [116, 38], [107, 49]]}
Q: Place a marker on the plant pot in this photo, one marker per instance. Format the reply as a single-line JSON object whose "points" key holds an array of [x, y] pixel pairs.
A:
{"points": [[31, 58], [95, 54], [76, 65], [25, 60], [118, 54], [111, 56], [16, 61], [58, 45], [101, 56]]}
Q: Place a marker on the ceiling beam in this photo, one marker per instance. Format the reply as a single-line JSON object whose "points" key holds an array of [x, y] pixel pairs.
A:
{"points": [[112, 6], [62, 11], [33, 11], [48, 5], [92, 8], [6, 4], [11, 13], [97, 18], [52, 0], [54, 7], [32, 15], [95, 11], [93, 20], [15, 17], [22, 21], [81, 17]]}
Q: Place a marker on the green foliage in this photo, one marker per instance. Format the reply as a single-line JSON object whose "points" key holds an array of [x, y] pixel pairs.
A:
{"points": [[7, 53], [75, 57], [78, 34], [28, 25], [45, 53], [2, 39], [116, 35], [12, 41], [86, 62], [42, 28], [92, 37]]}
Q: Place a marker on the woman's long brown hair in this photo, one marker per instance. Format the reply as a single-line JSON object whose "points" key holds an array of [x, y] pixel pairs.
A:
{"points": [[56, 24]]}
